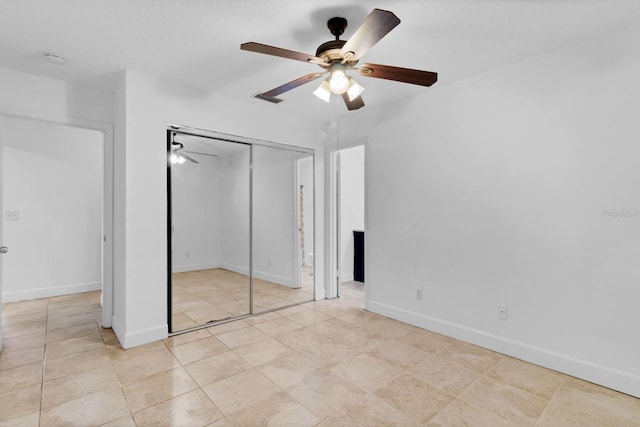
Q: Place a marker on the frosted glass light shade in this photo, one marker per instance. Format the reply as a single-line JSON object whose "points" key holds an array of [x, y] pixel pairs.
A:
{"points": [[323, 92], [355, 90]]}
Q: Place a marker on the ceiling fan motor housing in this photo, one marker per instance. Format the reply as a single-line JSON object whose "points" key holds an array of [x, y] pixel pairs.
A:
{"points": [[331, 50], [337, 25]]}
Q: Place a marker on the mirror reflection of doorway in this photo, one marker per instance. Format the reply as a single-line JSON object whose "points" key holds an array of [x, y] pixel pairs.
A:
{"points": [[351, 217], [280, 275], [235, 234]]}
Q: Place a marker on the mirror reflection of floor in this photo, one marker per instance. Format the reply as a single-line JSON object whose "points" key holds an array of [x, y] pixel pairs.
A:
{"points": [[210, 295], [352, 293]]}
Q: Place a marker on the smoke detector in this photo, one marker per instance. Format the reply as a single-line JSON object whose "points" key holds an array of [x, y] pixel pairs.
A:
{"points": [[54, 59]]}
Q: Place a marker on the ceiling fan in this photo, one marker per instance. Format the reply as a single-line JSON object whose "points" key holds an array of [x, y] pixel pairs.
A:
{"points": [[336, 57]]}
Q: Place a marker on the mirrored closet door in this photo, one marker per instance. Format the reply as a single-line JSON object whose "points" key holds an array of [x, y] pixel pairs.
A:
{"points": [[282, 228], [241, 227]]}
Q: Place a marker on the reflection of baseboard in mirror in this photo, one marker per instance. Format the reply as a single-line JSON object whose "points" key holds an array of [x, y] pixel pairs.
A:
{"points": [[238, 245]]}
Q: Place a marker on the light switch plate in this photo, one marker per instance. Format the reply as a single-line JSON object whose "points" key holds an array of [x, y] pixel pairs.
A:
{"points": [[11, 215]]}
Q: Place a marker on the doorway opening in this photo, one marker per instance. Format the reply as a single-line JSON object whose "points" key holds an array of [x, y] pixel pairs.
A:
{"points": [[57, 209]]}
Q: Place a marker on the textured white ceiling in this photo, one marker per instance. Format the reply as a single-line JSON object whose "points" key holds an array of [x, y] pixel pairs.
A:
{"points": [[197, 41]]}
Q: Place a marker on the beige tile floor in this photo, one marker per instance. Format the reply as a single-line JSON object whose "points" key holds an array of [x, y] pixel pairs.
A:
{"points": [[325, 363], [217, 294]]}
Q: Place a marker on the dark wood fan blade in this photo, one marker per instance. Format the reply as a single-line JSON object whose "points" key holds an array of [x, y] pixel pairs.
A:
{"points": [[292, 85], [405, 75], [373, 29], [276, 51], [352, 105]]}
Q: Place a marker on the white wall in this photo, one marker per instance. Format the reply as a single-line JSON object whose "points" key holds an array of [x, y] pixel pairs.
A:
{"points": [[351, 205], [235, 245], [274, 215], [53, 181], [492, 191], [28, 95], [196, 217], [150, 105]]}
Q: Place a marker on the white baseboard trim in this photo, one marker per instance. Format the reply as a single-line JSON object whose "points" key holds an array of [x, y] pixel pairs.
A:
{"points": [[273, 278], [235, 268], [194, 267], [30, 294], [134, 339], [346, 277], [598, 374]]}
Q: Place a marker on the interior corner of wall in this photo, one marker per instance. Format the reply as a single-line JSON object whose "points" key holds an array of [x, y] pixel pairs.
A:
{"points": [[118, 329]]}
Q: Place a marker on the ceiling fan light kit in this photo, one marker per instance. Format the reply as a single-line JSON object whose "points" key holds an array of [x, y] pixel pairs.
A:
{"points": [[355, 90], [324, 91], [337, 57], [338, 80], [177, 159]]}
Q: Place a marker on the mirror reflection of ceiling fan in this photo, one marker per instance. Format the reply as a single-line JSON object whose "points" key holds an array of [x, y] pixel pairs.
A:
{"points": [[336, 57], [177, 155]]}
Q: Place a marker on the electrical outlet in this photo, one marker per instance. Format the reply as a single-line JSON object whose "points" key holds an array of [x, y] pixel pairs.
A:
{"points": [[188, 255], [419, 294], [502, 312]]}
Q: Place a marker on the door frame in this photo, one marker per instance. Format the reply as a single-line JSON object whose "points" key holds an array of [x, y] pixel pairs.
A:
{"points": [[333, 229], [106, 129], [2, 137], [299, 232], [300, 254]]}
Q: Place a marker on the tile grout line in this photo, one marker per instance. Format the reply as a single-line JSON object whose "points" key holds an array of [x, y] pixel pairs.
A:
{"points": [[484, 375], [44, 364], [100, 328], [199, 387], [564, 380], [456, 398]]}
